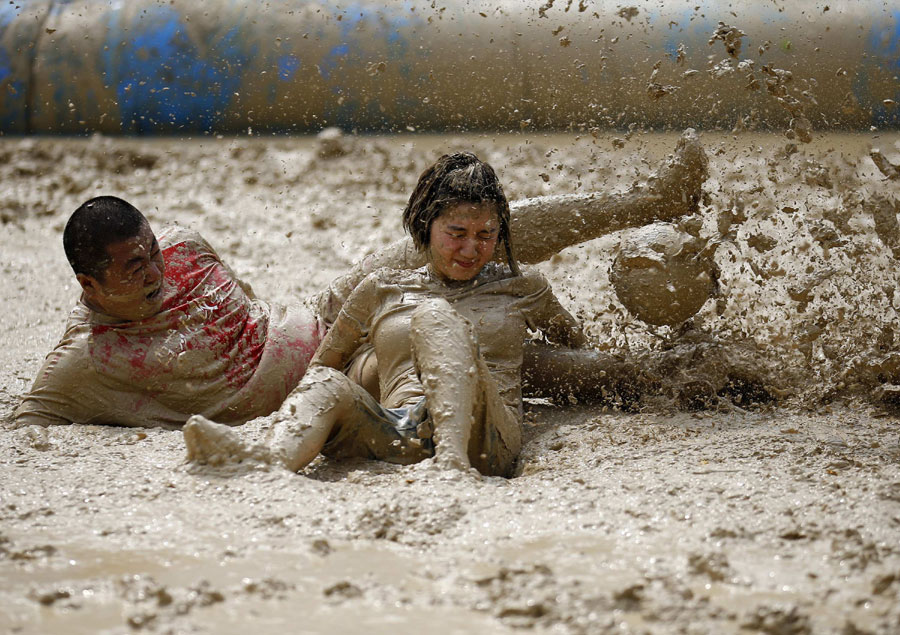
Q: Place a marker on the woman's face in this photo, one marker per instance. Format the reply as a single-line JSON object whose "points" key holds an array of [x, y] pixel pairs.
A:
{"points": [[462, 240]]}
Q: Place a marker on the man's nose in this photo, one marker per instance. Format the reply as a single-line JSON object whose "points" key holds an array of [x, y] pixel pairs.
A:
{"points": [[153, 273]]}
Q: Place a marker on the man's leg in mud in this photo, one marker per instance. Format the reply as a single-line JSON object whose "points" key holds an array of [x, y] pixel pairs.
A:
{"points": [[542, 227], [563, 374], [458, 389]]}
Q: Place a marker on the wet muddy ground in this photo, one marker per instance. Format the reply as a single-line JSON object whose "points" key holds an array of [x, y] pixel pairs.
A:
{"points": [[777, 518]]}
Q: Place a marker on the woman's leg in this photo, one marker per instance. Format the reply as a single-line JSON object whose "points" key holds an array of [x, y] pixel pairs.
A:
{"points": [[471, 427], [300, 427]]}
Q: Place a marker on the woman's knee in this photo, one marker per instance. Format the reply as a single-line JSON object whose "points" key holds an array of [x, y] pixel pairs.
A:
{"points": [[323, 388], [433, 312], [436, 325]]}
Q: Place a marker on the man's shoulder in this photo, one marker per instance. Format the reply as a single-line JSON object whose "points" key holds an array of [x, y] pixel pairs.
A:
{"points": [[176, 235]]}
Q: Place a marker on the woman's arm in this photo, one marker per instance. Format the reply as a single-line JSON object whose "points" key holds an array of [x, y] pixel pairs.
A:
{"points": [[561, 327], [348, 331], [339, 344], [546, 314]]}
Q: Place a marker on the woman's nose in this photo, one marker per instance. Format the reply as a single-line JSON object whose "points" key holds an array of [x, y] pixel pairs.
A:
{"points": [[469, 247]]}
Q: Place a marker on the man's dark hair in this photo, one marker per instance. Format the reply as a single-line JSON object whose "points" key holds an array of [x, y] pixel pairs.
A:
{"points": [[94, 226], [453, 179]]}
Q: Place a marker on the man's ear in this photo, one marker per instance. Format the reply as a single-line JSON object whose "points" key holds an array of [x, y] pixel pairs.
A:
{"points": [[89, 284]]}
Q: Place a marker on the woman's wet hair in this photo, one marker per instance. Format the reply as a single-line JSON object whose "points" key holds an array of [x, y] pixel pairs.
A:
{"points": [[95, 225], [454, 179]]}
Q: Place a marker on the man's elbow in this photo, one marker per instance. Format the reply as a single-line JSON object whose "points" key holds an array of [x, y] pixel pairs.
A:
{"points": [[25, 419]]}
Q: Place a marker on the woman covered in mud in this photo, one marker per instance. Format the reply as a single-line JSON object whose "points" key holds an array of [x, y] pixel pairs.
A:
{"points": [[448, 339]]}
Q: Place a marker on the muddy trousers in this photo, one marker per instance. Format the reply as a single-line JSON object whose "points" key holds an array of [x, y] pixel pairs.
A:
{"points": [[328, 413]]}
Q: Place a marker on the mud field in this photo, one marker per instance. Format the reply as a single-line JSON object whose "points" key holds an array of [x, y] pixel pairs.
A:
{"points": [[718, 516]]}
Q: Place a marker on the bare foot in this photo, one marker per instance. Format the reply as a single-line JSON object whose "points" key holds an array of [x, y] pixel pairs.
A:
{"points": [[678, 183], [216, 444]]}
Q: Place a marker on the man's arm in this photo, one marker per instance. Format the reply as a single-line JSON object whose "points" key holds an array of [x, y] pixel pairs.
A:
{"points": [[54, 397], [68, 389], [25, 416]]}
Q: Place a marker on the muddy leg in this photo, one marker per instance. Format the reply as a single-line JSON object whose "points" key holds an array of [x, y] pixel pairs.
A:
{"points": [[212, 443], [331, 414], [444, 352], [301, 426], [325, 399], [497, 435], [541, 227], [455, 382]]}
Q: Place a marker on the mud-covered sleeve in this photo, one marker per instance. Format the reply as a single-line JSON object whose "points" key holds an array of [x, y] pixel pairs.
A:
{"points": [[65, 391], [545, 313], [351, 325], [69, 390]]}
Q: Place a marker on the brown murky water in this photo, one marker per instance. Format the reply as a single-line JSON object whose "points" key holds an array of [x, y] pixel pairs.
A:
{"points": [[778, 519]]}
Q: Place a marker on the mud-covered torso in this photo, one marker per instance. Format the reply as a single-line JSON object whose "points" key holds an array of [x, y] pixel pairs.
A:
{"points": [[501, 307], [208, 331], [212, 349]]}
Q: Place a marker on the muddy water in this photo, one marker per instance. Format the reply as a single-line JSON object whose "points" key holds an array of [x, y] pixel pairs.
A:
{"points": [[779, 519]]}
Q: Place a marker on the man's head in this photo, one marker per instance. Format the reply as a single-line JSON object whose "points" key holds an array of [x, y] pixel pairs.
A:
{"points": [[116, 258]]}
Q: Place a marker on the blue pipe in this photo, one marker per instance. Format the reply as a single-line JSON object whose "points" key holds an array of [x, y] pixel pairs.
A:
{"points": [[152, 67]]}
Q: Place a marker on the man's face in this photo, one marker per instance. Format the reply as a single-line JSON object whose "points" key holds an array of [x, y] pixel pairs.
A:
{"points": [[132, 288]]}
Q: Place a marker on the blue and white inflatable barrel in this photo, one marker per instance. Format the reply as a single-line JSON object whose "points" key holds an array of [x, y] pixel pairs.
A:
{"points": [[183, 66]]}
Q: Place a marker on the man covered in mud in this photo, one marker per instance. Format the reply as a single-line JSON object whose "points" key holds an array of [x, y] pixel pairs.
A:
{"points": [[165, 330]]}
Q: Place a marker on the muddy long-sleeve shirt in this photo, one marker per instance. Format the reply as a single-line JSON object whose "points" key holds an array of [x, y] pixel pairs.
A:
{"points": [[212, 349]]}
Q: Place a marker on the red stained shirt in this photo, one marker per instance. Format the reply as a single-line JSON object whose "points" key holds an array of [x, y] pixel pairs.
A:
{"points": [[213, 349]]}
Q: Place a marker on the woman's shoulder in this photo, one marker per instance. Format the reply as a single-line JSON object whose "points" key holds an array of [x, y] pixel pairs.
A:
{"points": [[386, 279], [389, 275], [528, 278]]}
